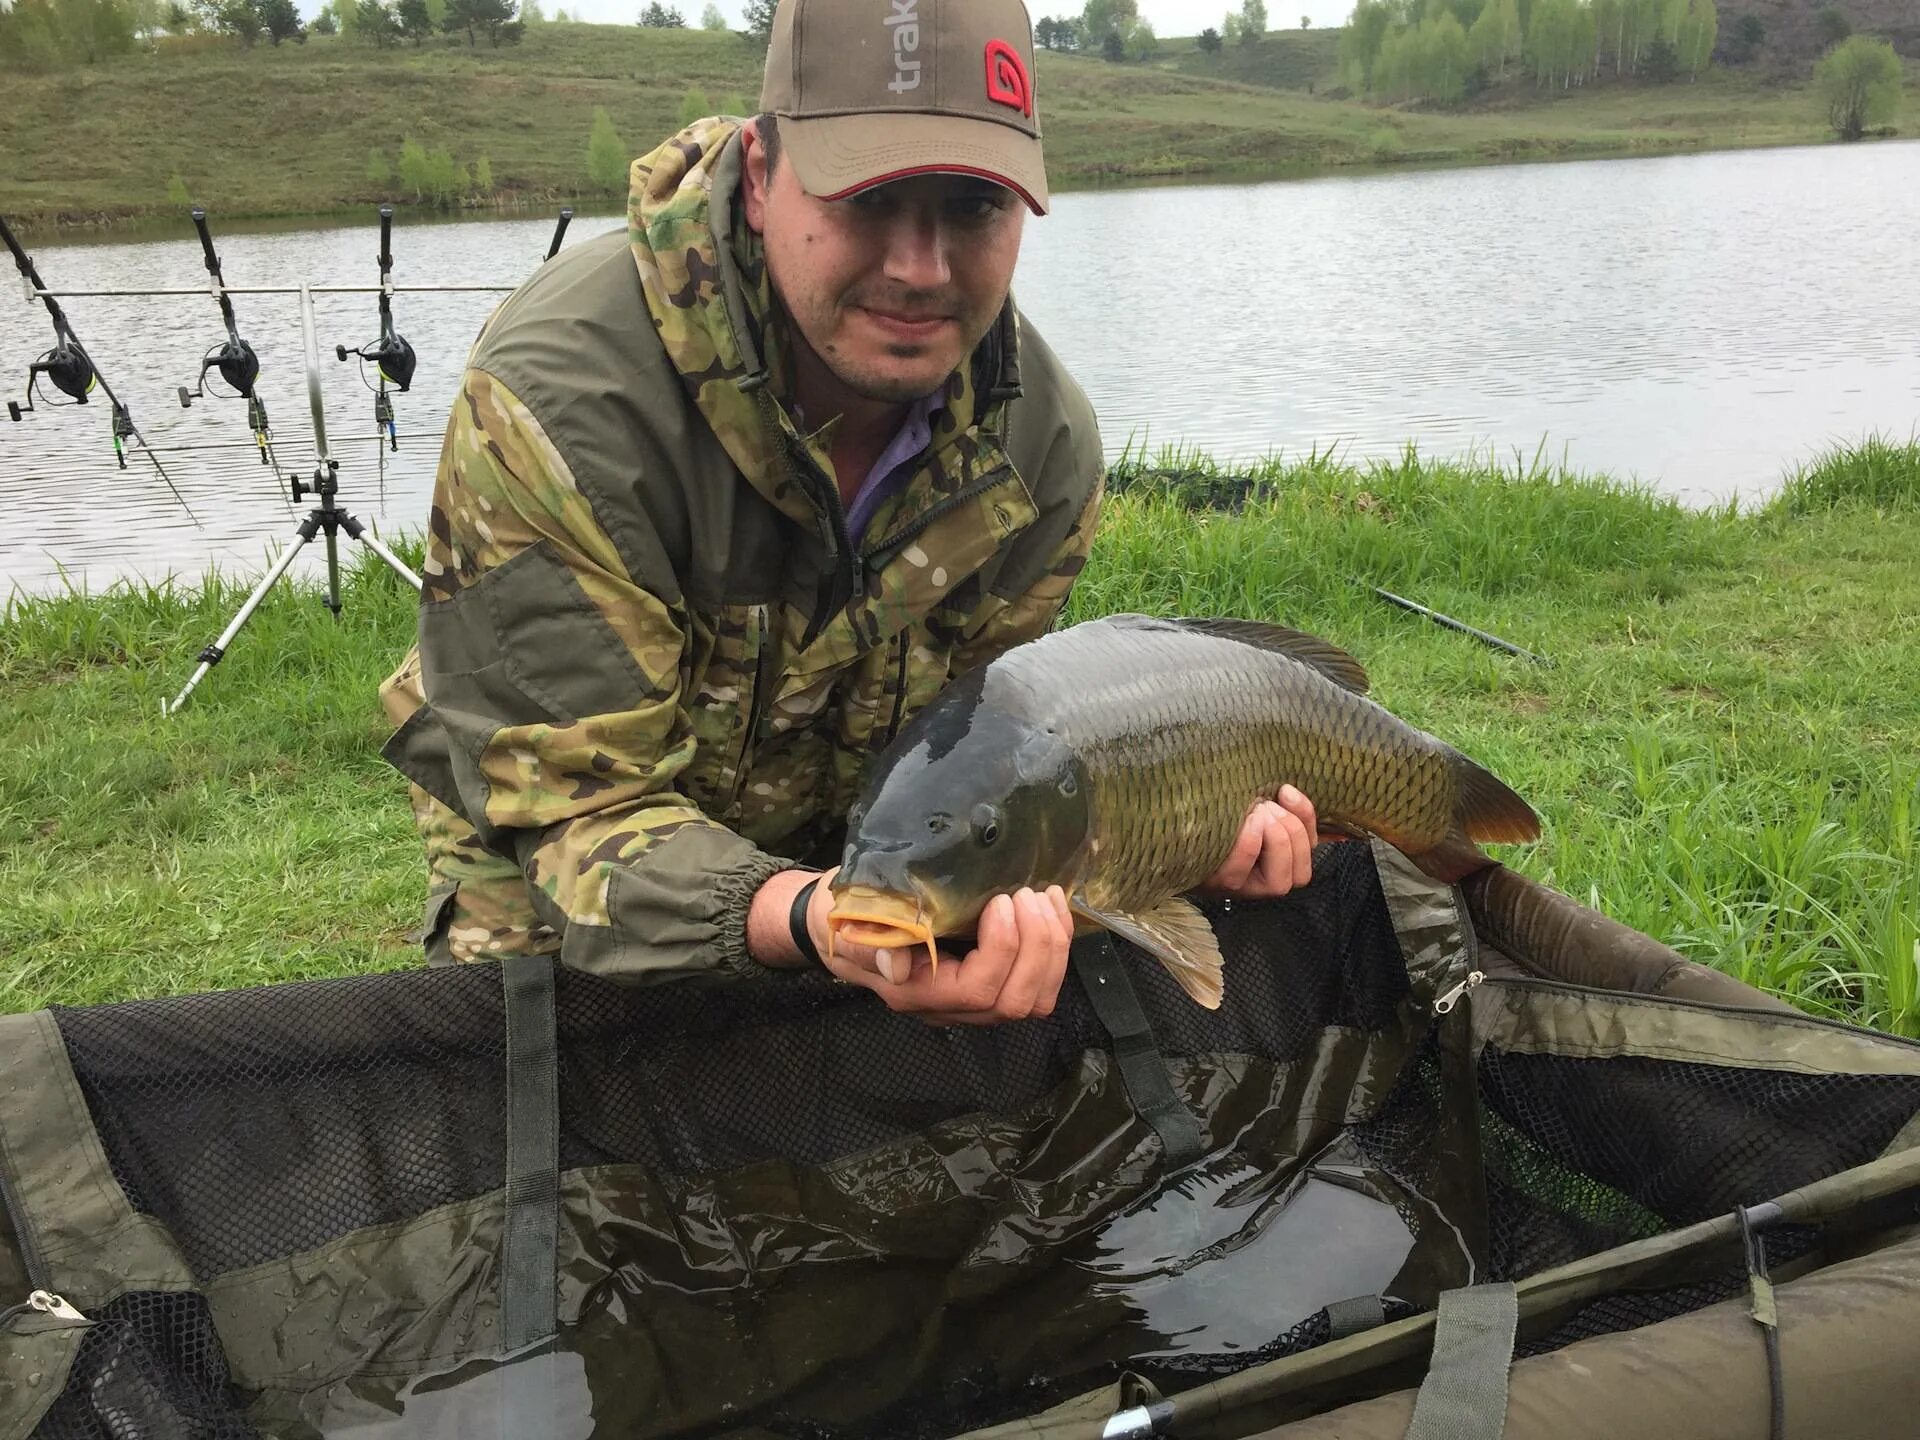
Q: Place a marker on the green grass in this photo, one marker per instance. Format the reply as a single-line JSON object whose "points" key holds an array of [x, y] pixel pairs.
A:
{"points": [[1722, 750], [287, 130]]}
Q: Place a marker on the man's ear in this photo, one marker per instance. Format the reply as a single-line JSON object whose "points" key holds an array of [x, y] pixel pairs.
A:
{"points": [[753, 177]]}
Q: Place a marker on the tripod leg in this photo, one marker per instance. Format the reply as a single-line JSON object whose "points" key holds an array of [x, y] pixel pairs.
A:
{"points": [[333, 567], [399, 567], [214, 653]]}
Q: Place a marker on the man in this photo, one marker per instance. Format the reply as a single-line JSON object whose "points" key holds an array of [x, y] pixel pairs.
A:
{"points": [[727, 499]]}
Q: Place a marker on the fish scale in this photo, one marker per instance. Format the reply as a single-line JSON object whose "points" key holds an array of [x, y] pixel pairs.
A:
{"points": [[1179, 732]]}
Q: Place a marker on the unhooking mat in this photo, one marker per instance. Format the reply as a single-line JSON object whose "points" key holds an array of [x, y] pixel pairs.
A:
{"points": [[518, 1201]]}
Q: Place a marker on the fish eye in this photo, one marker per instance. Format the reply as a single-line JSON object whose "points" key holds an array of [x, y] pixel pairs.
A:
{"points": [[986, 824], [1069, 785]]}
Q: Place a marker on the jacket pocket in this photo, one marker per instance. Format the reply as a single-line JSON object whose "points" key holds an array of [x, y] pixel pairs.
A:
{"points": [[523, 645]]}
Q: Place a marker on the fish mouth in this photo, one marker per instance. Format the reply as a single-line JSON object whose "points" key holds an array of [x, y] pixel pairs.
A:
{"points": [[863, 915]]}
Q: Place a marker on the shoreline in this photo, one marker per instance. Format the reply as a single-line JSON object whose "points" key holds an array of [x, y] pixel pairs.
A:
{"points": [[146, 223]]}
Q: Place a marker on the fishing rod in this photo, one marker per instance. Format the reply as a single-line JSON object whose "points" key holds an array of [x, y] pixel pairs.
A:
{"points": [[392, 356], [236, 361], [559, 231], [1452, 624], [73, 373]]}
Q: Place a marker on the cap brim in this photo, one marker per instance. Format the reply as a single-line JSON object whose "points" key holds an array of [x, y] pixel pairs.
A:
{"points": [[840, 155]]}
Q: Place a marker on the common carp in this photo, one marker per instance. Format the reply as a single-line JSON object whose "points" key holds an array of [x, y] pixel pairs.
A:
{"points": [[1118, 758]]}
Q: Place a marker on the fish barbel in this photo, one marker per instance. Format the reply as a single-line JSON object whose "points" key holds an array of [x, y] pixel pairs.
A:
{"points": [[1118, 758]]}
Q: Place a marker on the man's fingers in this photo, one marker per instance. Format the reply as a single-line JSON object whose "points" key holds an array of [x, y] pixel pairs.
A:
{"points": [[1299, 806], [1015, 970], [1062, 917], [982, 975], [1292, 847], [1243, 857], [1042, 961], [1274, 874]]}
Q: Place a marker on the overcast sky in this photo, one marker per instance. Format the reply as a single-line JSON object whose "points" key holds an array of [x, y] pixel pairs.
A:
{"points": [[1169, 17]]}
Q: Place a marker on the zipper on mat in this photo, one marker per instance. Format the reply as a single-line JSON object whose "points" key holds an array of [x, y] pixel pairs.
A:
{"points": [[30, 1256], [42, 1301], [1720, 1007], [1451, 997]]}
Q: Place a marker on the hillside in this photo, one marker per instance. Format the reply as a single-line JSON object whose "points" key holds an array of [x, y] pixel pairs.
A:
{"points": [[288, 130], [1792, 26]]}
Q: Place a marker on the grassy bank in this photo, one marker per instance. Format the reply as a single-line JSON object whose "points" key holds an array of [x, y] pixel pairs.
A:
{"points": [[1722, 749], [288, 130]]}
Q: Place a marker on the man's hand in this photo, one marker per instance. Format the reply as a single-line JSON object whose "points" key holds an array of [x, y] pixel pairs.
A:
{"points": [[1274, 852], [1014, 971]]}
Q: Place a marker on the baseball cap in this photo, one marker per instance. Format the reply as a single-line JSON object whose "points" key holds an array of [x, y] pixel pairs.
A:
{"points": [[874, 90]]}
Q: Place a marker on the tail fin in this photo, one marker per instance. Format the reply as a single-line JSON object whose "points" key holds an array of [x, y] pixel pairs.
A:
{"points": [[1488, 811]]}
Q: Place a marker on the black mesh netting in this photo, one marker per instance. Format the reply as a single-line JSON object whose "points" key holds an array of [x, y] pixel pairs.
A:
{"points": [[150, 1368], [257, 1124], [1585, 1154]]}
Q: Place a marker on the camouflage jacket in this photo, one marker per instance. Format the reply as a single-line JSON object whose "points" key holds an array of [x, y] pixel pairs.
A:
{"points": [[655, 671]]}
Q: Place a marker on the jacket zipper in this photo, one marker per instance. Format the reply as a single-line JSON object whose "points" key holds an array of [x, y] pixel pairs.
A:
{"points": [[899, 691], [846, 559], [750, 725], [934, 512]]}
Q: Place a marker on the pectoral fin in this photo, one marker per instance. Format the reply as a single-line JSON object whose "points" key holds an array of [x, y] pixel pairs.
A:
{"points": [[1177, 935]]}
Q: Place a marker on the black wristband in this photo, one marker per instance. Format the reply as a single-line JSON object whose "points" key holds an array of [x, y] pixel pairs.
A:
{"points": [[797, 924]]}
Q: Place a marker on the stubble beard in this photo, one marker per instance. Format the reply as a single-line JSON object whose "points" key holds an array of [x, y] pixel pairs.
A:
{"points": [[868, 380]]}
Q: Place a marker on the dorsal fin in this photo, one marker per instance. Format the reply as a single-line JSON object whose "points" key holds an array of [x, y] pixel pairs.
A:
{"points": [[1329, 659]]}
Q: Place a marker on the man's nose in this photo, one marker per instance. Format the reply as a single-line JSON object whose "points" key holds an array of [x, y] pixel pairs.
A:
{"points": [[917, 249]]}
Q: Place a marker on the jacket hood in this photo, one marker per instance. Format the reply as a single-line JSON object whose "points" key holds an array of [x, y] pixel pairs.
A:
{"points": [[704, 273]]}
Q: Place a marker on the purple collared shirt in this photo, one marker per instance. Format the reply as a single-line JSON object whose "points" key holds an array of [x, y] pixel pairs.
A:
{"points": [[890, 471]]}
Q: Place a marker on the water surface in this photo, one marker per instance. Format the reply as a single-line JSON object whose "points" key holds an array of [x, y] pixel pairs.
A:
{"points": [[1697, 322]]}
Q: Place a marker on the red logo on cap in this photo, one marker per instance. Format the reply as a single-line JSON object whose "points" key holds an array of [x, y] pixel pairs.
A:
{"points": [[1007, 81]]}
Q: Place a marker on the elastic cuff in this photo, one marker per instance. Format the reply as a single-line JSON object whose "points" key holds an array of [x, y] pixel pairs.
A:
{"points": [[735, 889]]}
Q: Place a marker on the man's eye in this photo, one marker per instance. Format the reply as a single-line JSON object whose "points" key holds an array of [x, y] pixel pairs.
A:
{"points": [[974, 208]]}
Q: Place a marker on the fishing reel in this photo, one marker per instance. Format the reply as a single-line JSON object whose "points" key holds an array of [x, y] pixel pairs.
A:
{"points": [[70, 369], [238, 366], [235, 359], [393, 361], [71, 372], [392, 357]]}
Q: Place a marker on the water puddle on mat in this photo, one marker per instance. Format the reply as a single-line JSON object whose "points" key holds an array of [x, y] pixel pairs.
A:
{"points": [[1226, 1258], [539, 1391]]}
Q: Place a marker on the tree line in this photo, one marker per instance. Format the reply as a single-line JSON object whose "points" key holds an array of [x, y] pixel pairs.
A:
{"points": [[1403, 50], [1115, 30], [41, 35]]}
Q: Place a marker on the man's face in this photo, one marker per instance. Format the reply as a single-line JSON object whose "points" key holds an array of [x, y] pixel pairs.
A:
{"points": [[893, 287]]}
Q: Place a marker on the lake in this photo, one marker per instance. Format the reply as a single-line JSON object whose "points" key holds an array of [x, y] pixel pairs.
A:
{"points": [[1700, 323]]}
